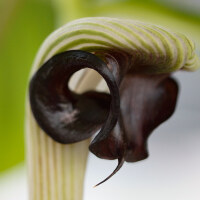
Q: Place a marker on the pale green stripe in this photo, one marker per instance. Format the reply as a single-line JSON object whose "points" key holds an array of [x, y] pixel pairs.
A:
{"points": [[145, 45], [73, 44], [134, 45], [167, 46], [151, 36], [180, 49], [190, 48], [82, 31], [63, 170], [114, 33], [123, 26]]}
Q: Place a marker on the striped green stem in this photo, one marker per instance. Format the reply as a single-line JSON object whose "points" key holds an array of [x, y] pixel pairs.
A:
{"points": [[56, 171]]}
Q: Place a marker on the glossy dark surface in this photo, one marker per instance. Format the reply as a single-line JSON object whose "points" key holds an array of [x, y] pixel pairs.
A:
{"points": [[136, 105], [65, 116]]}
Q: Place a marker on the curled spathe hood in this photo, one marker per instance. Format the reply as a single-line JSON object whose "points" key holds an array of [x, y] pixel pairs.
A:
{"points": [[150, 44]]}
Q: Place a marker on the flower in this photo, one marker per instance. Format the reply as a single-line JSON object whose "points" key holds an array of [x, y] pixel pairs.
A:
{"points": [[142, 93]]}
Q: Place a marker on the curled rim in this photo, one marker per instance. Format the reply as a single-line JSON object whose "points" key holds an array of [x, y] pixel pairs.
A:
{"points": [[48, 91]]}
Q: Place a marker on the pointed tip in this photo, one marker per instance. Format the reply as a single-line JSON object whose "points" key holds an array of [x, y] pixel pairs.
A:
{"points": [[120, 163]]}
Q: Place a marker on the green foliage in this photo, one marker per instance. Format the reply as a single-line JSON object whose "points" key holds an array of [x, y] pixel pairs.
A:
{"points": [[26, 27]]}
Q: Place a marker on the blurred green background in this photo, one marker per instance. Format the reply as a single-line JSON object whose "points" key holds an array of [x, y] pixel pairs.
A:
{"points": [[24, 24]]}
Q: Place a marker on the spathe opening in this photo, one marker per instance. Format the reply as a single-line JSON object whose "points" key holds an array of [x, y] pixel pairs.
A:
{"points": [[86, 80]]}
